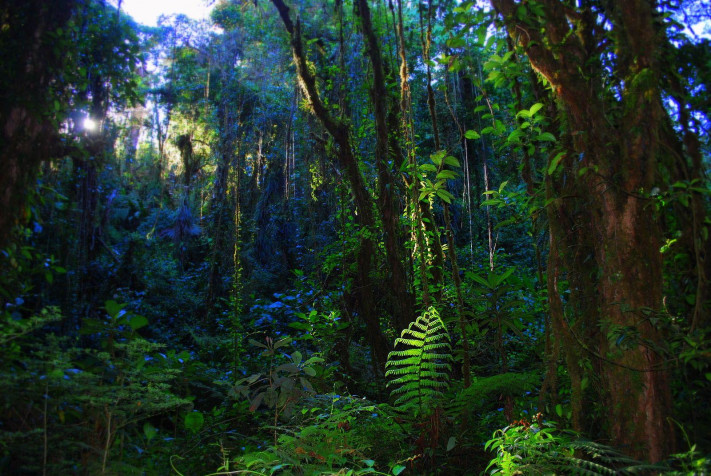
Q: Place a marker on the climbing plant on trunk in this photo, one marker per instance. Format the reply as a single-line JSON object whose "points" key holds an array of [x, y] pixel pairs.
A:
{"points": [[606, 83]]}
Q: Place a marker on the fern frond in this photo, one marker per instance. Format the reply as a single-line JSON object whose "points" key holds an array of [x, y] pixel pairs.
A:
{"points": [[420, 371]]}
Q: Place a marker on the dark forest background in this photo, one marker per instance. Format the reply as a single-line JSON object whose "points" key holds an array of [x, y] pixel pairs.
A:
{"points": [[350, 237]]}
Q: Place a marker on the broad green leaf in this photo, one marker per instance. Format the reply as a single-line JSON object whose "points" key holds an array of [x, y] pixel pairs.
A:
{"points": [[446, 175], [451, 161], [136, 322], [113, 308], [535, 108], [194, 421], [478, 279], [149, 430], [503, 277], [472, 134], [56, 374], [257, 344], [554, 163], [546, 137], [397, 469], [445, 195], [456, 43], [288, 367], [451, 443], [307, 385], [256, 402], [296, 357], [282, 342]]}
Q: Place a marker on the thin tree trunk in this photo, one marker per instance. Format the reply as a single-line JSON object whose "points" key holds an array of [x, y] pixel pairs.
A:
{"points": [[390, 215], [363, 201]]}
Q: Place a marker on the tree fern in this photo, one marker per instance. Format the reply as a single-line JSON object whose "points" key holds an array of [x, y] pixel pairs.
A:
{"points": [[420, 372]]}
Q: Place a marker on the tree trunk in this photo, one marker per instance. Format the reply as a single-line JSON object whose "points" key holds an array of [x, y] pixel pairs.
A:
{"points": [[403, 306], [31, 67], [610, 161], [348, 162]]}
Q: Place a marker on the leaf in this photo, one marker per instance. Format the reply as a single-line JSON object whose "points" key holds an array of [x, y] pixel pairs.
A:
{"points": [[149, 430], [288, 367], [478, 279], [559, 410], [194, 421], [397, 469], [546, 137], [296, 357], [472, 134], [446, 175], [314, 360], [445, 195], [307, 385], [113, 308], [310, 371], [500, 279], [136, 322], [452, 162], [451, 443], [514, 137], [456, 43], [554, 163], [535, 108], [257, 344], [256, 402], [56, 374], [282, 342]]}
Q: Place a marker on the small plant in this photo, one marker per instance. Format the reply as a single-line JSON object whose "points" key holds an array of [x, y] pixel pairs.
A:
{"points": [[282, 385], [537, 447], [420, 372]]}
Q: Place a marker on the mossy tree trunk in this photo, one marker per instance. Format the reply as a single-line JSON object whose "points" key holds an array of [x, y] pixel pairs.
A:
{"points": [[340, 132], [601, 215]]}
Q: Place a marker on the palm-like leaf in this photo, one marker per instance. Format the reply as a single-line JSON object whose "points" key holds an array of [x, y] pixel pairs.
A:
{"points": [[420, 371]]}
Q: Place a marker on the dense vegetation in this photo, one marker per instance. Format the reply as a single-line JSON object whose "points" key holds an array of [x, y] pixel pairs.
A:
{"points": [[333, 237]]}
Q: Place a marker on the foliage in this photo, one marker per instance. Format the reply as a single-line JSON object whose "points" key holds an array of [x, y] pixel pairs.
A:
{"points": [[538, 447], [419, 372], [211, 281]]}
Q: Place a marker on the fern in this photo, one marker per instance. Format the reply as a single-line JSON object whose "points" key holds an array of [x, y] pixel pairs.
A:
{"points": [[485, 391], [420, 372]]}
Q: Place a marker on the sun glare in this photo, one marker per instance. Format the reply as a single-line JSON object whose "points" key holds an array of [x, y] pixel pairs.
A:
{"points": [[90, 124]]}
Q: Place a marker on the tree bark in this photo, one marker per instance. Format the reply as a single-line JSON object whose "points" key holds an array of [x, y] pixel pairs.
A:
{"points": [[347, 160], [403, 307], [620, 154], [28, 133]]}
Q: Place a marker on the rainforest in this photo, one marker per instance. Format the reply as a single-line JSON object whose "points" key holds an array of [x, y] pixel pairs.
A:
{"points": [[388, 237]]}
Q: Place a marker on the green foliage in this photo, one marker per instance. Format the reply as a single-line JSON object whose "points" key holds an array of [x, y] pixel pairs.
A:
{"points": [[284, 383], [335, 435], [485, 391], [419, 372], [539, 448]]}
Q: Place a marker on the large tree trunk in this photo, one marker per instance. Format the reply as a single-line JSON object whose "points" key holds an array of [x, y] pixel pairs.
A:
{"points": [[30, 66], [610, 163]]}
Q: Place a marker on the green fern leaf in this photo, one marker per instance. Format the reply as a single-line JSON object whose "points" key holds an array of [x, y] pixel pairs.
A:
{"points": [[419, 372]]}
